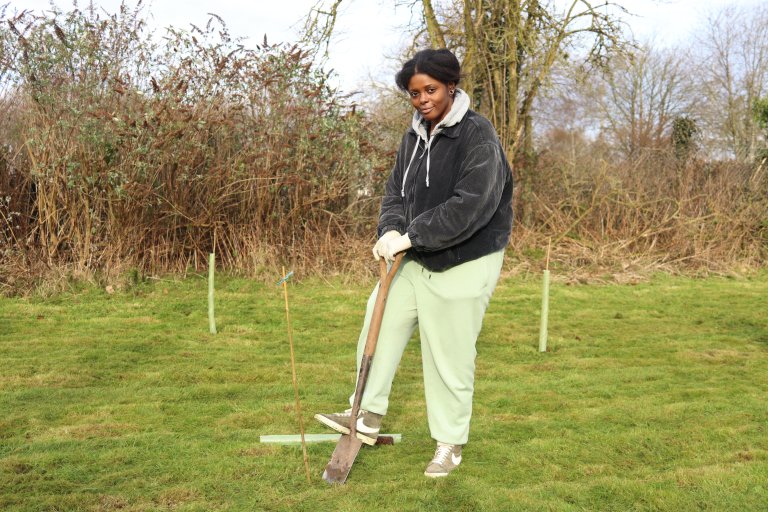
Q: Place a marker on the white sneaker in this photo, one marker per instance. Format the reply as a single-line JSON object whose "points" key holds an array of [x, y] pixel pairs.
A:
{"points": [[368, 424], [447, 457]]}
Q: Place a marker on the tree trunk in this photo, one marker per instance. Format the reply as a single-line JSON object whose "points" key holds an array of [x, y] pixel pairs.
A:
{"points": [[436, 36]]}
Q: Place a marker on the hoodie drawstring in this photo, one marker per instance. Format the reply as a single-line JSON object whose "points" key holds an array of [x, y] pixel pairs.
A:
{"points": [[429, 144], [415, 150]]}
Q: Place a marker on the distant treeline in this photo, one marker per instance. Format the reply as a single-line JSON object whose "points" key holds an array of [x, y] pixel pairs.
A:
{"points": [[125, 155]]}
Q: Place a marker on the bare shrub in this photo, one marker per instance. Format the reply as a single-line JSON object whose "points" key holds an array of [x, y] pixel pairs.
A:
{"points": [[121, 152], [655, 212], [121, 156]]}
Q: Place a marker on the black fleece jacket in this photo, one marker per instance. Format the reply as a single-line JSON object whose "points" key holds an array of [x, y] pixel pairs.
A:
{"points": [[466, 211]]}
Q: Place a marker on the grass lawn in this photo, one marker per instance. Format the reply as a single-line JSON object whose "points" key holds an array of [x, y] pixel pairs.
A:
{"points": [[652, 397]]}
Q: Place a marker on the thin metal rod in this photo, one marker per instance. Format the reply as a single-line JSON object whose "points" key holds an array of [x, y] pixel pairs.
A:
{"points": [[293, 374]]}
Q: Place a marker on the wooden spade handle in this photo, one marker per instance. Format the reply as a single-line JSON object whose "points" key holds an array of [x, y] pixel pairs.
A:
{"points": [[381, 301], [373, 334]]}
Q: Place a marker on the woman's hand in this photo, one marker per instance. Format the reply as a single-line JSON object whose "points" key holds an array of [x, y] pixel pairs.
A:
{"points": [[378, 249], [396, 245]]}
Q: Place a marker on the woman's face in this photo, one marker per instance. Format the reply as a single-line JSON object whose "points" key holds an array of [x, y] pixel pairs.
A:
{"points": [[430, 97]]}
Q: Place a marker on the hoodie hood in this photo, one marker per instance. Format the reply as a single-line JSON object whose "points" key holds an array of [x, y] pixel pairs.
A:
{"points": [[454, 116]]}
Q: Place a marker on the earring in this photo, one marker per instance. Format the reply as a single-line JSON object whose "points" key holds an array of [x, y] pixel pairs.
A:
{"points": [[451, 92]]}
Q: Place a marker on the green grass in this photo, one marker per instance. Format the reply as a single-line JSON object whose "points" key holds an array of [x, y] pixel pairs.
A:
{"points": [[652, 397]]}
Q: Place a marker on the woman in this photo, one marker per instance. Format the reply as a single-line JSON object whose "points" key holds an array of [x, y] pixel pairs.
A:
{"points": [[448, 204]]}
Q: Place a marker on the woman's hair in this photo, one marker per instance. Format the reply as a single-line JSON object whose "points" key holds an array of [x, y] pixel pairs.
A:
{"points": [[439, 64]]}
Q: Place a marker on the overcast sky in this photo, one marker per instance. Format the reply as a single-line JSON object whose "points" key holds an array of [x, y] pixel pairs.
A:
{"points": [[368, 32]]}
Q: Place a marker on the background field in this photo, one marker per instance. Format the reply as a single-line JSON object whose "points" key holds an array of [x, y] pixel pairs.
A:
{"points": [[651, 398]]}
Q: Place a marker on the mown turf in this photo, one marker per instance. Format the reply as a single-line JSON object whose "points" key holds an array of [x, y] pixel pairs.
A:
{"points": [[652, 397]]}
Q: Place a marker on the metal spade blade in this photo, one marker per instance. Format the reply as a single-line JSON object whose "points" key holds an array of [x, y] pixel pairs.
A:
{"points": [[343, 457]]}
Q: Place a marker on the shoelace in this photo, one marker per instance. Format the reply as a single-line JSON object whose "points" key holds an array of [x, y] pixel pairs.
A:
{"points": [[442, 454]]}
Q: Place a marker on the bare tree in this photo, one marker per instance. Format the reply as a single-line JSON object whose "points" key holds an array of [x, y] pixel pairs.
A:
{"points": [[629, 107], [733, 76], [318, 27], [567, 117], [642, 96], [509, 48]]}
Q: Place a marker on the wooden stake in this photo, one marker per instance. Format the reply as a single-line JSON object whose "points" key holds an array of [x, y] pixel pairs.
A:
{"points": [[211, 271], [284, 281], [321, 438], [544, 304]]}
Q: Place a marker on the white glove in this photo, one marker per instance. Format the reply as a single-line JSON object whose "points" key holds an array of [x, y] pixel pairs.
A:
{"points": [[396, 245], [378, 249]]}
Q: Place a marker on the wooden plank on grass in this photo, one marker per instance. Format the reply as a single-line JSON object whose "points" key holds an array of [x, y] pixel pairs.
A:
{"points": [[314, 438]]}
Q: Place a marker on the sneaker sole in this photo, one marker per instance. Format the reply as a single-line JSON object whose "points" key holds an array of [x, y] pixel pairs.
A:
{"points": [[332, 424], [435, 475]]}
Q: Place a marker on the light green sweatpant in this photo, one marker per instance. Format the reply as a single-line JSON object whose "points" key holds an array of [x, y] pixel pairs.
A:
{"points": [[448, 307]]}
